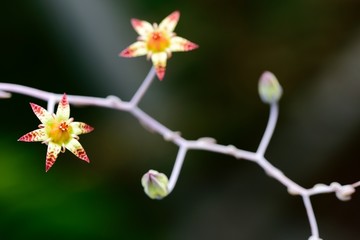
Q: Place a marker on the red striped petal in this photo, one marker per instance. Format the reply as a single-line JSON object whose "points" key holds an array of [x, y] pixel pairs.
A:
{"points": [[143, 28], [51, 155], [37, 135], [81, 128], [63, 110], [134, 50], [75, 147], [179, 44], [159, 61], [40, 112], [169, 23]]}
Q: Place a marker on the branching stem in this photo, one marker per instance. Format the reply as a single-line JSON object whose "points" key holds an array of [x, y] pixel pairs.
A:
{"points": [[343, 192]]}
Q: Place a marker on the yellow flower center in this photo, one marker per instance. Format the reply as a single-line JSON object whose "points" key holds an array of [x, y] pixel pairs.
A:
{"points": [[158, 41], [59, 132]]}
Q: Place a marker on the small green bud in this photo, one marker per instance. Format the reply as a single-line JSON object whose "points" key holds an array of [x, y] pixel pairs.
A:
{"points": [[155, 184], [270, 90]]}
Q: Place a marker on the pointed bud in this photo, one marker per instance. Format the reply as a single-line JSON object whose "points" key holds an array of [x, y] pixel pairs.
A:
{"points": [[155, 184], [270, 90]]}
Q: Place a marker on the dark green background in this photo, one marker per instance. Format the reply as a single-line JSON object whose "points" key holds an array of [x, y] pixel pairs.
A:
{"points": [[72, 46]]}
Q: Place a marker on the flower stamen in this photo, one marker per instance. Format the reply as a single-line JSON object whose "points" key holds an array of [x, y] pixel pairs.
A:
{"points": [[63, 126]]}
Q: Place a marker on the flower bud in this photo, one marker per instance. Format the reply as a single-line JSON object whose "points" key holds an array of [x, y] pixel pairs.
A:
{"points": [[155, 184], [344, 193], [269, 88]]}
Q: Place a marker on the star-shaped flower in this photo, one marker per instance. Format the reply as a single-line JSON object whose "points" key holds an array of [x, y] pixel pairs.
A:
{"points": [[58, 131], [158, 42]]}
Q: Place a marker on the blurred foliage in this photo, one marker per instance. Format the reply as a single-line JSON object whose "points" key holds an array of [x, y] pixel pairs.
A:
{"points": [[68, 46]]}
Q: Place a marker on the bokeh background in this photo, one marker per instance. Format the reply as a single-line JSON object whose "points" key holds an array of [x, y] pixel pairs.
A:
{"points": [[72, 46]]}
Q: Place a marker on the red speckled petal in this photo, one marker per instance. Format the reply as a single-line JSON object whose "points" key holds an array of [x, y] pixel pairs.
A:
{"points": [[80, 128], [51, 155], [40, 112], [75, 147], [63, 110], [169, 23], [179, 44], [37, 135], [134, 50], [143, 28], [159, 61]]}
